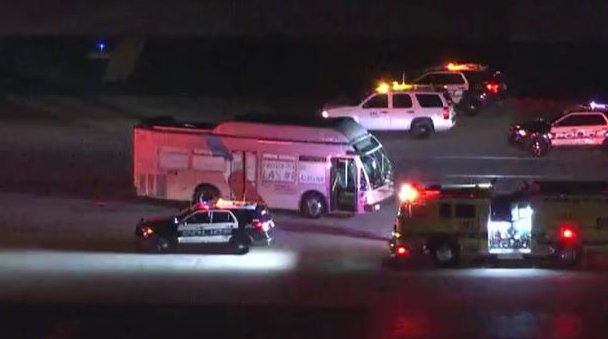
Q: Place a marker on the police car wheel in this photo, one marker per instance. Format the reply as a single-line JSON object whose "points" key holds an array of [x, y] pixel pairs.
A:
{"points": [[161, 245], [605, 145], [239, 245], [538, 147]]}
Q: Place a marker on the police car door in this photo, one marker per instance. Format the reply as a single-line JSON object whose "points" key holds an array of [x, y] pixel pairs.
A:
{"points": [[402, 111], [569, 130], [374, 112], [192, 228], [455, 83], [223, 224]]}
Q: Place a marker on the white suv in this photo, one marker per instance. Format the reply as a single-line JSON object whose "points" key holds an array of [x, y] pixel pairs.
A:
{"points": [[420, 112]]}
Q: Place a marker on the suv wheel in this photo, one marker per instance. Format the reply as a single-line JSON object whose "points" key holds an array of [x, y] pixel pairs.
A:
{"points": [[421, 129]]}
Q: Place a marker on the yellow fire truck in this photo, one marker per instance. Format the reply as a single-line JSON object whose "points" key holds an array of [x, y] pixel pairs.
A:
{"points": [[557, 220]]}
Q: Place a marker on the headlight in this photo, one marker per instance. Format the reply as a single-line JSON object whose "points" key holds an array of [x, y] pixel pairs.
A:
{"points": [[325, 114]]}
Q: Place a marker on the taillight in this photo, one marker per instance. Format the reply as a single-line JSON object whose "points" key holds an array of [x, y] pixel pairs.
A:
{"points": [[446, 113], [257, 225], [402, 251], [567, 233], [146, 231], [492, 87]]}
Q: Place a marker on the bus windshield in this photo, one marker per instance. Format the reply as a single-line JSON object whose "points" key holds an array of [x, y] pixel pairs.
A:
{"points": [[375, 161]]}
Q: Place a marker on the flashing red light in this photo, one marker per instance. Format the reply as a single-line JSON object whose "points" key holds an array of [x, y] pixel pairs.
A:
{"points": [[446, 113], [402, 251], [257, 225], [146, 231], [567, 233], [493, 87], [408, 193]]}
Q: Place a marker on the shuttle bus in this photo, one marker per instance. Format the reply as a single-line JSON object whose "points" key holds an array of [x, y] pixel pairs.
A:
{"points": [[314, 166]]}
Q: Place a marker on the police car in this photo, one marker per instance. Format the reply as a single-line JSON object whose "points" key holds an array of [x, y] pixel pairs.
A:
{"points": [[585, 126], [400, 107], [236, 224], [471, 86]]}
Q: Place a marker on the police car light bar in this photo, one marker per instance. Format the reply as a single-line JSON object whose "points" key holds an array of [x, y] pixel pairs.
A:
{"points": [[595, 105], [384, 87], [465, 67]]}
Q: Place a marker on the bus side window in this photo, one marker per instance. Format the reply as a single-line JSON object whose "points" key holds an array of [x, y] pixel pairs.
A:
{"points": [[445, 210], [464, 211]]}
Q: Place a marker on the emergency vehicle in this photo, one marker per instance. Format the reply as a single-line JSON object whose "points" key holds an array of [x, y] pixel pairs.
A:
{"points": [[237, 224], [471, 86], [556, 220], [402, 107], [585, 126], [314, 166]]}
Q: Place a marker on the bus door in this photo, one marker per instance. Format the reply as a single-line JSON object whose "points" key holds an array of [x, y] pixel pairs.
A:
{"points": [[243, 175], [344, 185]]}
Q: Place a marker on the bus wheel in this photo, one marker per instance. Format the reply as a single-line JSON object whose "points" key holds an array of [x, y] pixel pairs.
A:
{"points": [[312, 205], [204, 193], [568, 255], [445, 253]]}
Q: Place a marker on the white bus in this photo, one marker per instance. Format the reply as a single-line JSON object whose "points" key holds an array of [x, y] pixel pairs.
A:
{"points": [[315, 166]]}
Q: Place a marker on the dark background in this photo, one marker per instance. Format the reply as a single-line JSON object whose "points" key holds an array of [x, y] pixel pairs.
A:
{"points": [[315, 49]]}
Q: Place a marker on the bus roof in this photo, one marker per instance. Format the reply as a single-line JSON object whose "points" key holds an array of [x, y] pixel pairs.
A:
{"points": [[311, 129]]}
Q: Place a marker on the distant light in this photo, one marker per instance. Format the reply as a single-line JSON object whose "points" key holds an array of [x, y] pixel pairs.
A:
{"points": [[101, 46], [325, 114]]}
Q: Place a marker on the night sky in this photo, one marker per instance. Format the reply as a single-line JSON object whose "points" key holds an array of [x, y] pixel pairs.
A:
{"points": [[517, 20]]}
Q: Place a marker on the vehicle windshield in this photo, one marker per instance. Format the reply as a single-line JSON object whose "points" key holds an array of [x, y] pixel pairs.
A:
{"points": [[375, 161]]}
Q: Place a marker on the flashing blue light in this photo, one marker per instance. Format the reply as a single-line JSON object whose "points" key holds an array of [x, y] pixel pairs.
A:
{"points": [[595, 105], [101, 46]]}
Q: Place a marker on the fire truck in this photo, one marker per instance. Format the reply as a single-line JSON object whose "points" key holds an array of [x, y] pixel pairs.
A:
{"points": [[313, 166], [559, 221]]}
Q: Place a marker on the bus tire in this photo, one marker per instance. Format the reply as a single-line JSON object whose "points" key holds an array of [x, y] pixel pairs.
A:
{"points": [[421, 128], [204, 193], [444, 252], [312, 205]]}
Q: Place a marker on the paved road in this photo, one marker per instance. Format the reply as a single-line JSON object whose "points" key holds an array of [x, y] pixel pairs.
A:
{"points": [[68, 214]]}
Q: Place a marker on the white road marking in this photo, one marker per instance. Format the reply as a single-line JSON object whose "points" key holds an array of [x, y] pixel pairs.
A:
{"points": [[509, 176]]}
